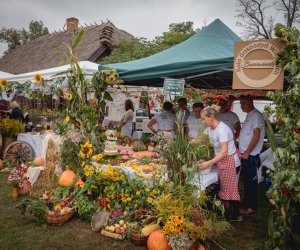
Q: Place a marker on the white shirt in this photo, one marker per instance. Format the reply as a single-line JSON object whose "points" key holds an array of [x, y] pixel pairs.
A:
{"points": [[254, 119], [194, 125], [229, 118], [165, 121], [222, 133]]}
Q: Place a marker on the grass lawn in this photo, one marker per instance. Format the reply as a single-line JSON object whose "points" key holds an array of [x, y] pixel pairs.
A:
{"points": [[20, 232]]}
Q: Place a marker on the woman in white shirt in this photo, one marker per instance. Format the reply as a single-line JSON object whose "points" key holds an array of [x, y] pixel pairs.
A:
{"points": [[165, 120], [127, 120], [226, 159]]}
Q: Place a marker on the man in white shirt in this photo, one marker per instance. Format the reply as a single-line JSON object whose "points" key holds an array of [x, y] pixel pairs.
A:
{"points": [[194, 121], [250, 144], [229, 118]]}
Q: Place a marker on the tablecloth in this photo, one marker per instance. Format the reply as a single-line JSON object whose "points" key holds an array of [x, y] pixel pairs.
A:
{"points": [[35, 141], [202, 180], [33, 173]]}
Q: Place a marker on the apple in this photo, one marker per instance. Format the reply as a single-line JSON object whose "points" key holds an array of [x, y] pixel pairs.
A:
{"points": [[117, 225], [122, 230], [111, 229], [121, 222], [107, 228], [125, 226], [118, 230]]}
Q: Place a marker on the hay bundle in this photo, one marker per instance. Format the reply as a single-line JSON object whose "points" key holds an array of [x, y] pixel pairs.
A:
{"points": [[47, 179]]}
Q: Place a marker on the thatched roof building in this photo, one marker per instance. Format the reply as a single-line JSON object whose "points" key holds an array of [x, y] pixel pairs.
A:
{"points": [[49, 50]]}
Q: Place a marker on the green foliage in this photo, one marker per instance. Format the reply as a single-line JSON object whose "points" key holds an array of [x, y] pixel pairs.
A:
{"points": [[38, 209], [140, 47], [284, 192], [16, 37], [84, 207]]}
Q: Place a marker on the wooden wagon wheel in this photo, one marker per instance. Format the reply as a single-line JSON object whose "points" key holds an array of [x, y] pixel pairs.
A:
{"points": [[18, 152]]}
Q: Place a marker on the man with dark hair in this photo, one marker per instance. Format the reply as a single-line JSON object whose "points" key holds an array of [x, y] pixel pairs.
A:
{"points": [[194, 122], [183, 113], [250, 144]]}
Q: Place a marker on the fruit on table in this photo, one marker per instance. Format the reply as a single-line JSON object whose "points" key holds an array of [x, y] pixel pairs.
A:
{"points": [[147, 230], [157, 240], [111, 229], [66, 179], [39, 161]]}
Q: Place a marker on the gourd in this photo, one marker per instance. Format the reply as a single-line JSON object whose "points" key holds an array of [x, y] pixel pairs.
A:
{"points": [[147, 230], [39, 161], [157, 240], [66, 179]]}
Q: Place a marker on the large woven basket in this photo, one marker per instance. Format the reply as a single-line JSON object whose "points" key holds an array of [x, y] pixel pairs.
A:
{"points": [[58, 219], [136, 238]]}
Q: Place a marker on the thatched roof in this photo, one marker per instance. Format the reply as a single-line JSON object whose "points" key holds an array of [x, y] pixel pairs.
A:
{"points": [[49, 50]]}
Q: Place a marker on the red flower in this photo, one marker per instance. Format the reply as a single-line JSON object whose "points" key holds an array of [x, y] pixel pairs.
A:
{"points": [[285, 191]]}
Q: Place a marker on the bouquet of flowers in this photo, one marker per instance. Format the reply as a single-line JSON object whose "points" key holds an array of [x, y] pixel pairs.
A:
{"points": [[11, 127], [17, 176]]}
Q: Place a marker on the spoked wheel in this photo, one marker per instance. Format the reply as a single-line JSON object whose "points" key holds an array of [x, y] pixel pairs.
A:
{"points": [[17, 153]]}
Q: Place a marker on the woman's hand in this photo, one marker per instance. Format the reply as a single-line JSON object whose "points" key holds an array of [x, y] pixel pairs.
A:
{"points": [[204, 165]]}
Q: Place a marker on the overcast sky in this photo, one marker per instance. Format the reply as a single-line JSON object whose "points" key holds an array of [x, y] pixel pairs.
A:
{"points": [[141, 18]]}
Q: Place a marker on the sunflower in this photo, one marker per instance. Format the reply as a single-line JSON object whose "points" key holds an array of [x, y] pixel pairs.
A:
{"points": [[67, 119], [69, 97], [3, 83], [38, 78], [86, 150]]}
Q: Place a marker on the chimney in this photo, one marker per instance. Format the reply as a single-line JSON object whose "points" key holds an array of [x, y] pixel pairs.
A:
{"points": [[72, 24]]}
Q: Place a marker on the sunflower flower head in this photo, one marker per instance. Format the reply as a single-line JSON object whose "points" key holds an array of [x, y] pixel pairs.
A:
{"points": [[38, 78], [86, 150], [3, 83]]}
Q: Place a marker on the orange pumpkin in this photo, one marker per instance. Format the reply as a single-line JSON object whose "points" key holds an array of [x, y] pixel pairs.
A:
{"points": [[201, 247], [157, 240], [39, 161], [66, 179]]}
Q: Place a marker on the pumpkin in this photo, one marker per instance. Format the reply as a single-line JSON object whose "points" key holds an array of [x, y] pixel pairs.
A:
{"points": [[66, 178], [39, 161], [157, 240], [201, 247]]}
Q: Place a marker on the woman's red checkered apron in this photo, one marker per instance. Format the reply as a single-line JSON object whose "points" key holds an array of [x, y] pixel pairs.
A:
{"points": [[228, 179]]}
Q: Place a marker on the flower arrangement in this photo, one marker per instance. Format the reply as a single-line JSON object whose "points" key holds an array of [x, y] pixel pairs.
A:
{"points": [[11, 127], [17, 176]]}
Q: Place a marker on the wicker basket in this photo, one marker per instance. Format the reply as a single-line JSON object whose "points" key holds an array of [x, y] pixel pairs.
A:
{"points": [[136, 238], [58, 219]]}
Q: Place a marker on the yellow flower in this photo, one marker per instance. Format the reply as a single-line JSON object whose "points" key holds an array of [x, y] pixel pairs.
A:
{"points": [[69, 97], [147, 189], [86, 150], [67, 119], [38, 78], [138, 193], [150, 199], [108, 206], [3, 83]]}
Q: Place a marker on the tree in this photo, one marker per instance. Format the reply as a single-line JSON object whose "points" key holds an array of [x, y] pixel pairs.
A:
{"points": [[141, 47], [16, 37], [256, 16]]}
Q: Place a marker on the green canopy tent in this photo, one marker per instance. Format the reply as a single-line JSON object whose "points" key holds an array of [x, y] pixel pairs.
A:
{"points": [[205, 60]]}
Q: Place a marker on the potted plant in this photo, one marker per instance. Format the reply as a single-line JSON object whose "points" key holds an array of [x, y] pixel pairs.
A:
{"points": [[18, 181]]}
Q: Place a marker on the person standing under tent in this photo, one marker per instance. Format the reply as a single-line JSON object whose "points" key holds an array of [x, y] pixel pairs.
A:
{"points": [[15, 112], [229, 118], [183, 113], [250, 144], [165, 120], [194, 122], [127, 120], [226, 159]]}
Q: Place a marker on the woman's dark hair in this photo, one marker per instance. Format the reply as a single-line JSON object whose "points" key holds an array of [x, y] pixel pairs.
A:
{"points": [[167, 106], [129, 105]]}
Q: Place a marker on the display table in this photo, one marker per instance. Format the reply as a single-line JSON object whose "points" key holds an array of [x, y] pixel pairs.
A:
{"points": [[34, 140], [205, 179], [201, 180]]}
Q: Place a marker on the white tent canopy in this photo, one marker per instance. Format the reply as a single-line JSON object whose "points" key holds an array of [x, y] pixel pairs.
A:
{"points": [[48, 74]]}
